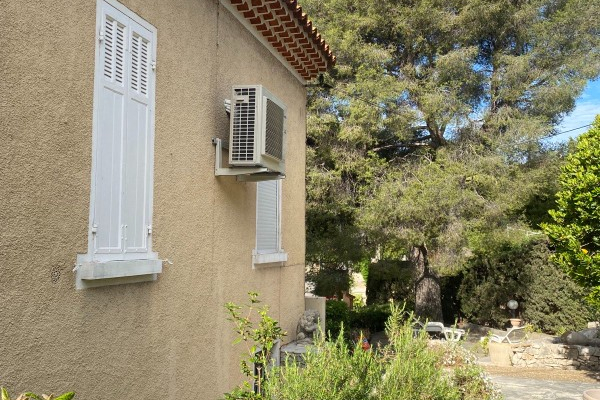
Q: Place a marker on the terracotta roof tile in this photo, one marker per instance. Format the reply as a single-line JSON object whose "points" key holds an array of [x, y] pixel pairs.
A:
{"points": [[287, 28]]}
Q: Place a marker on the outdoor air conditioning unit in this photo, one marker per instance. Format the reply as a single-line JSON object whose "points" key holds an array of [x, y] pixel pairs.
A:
{"points": [[257, 129]]}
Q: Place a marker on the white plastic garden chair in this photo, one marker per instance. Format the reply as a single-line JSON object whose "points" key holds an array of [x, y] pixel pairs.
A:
{"points": [[513, 335]]}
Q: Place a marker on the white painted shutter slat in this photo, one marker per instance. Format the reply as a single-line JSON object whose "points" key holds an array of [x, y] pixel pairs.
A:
{"points": [[110, 133], [267, 216], [138, 143]]}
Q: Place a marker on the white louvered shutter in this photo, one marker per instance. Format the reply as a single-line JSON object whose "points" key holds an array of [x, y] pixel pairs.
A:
{"points": [[138, 142], [124, 146], [267, 216], [111, 125]]}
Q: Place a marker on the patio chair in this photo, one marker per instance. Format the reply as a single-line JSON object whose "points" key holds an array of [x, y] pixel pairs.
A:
{"points": [[453, 334], [513, 335], [435, 329], [438, 330]]}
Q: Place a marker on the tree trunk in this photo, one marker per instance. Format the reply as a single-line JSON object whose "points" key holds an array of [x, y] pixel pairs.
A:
{"points": [[428, 303]]}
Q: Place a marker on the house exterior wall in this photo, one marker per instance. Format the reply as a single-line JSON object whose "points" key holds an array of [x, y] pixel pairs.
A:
{"points": [[167, 338]]}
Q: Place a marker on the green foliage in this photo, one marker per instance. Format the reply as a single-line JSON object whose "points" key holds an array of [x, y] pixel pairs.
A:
{"points": [[426, 132], [491, 279], [33, 396], [474, 386], [413, 371], [337, 317], [575, 232], [329, 279], [331, 371], [406, 370], [259, 341], [390, 279], [372, 317], [553, 302], [521, 271]]}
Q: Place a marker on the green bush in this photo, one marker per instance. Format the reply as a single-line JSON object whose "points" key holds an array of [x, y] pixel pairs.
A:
{"points": [[553, 302], [390, 279], [330, 372], [371, 317], [521, 271], [336, 316], [408, 369], [575, 230]]}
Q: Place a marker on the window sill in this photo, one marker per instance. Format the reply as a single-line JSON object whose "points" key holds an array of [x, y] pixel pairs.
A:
{"points": [[258, 259], [104, 273]]}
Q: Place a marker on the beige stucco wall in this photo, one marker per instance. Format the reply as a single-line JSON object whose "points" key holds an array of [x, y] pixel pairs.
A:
{"points": [[168, 338]]}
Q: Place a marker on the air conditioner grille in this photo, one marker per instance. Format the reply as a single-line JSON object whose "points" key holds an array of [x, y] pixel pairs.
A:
{"points": [[274, 130], [242, 146]]}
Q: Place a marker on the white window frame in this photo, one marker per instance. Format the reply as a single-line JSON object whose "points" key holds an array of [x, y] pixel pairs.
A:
{"points": [[272, 256], [94, 269]]}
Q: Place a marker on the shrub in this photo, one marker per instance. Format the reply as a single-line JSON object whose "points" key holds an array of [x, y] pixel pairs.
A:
{"points": [[523, 271], [390, 279], [259, 341], [336, 316], [330, 372], [553, 302], [408, 369], [371, 317], [492, 278], [575, 231]]}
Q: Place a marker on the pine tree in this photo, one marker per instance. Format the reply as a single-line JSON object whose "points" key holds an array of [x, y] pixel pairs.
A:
{"points": [[425, 135]]}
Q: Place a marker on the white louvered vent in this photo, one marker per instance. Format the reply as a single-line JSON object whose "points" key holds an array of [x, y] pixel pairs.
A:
{"points": [[257, 128], [114, 50], [140, 55], [243, 125]]}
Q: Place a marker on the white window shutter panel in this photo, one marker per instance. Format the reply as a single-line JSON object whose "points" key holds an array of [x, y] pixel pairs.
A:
{"points": [[267, 216], [107, 225], [138, 142]]}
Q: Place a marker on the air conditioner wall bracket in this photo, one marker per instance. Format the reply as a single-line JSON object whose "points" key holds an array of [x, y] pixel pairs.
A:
{"points": [[244, 174]]}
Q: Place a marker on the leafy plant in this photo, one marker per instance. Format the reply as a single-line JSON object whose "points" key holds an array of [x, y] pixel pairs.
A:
{"points": [[259, 341], [408, 369], [337, 316], [371, 317], [331, 370], [575, 232], [33, 396], [523, 271]]}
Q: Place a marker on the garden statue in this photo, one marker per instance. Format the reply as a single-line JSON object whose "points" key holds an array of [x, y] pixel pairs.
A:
{"points": [[307, 326]]}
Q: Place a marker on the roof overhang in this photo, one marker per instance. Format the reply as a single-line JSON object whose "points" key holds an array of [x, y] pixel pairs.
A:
{"points": [[287, 32]]}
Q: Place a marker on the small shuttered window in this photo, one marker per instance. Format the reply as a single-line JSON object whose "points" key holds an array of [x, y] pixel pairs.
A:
{"points": [[123, 139], [268, 223], [267, 216]]}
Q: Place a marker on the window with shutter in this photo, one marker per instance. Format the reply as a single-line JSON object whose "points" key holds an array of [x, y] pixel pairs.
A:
{"points": [[268, 223], [120, 230]]}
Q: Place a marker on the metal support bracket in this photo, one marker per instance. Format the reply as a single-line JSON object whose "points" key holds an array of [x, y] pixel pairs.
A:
{"points": [[245, 174]]}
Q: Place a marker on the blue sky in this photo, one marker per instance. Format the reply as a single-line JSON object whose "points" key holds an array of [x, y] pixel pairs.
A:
{"points": [[586, 108]]}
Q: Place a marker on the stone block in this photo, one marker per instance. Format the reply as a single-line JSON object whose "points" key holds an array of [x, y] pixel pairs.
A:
{"points": [[585, 351], [575, 338], [572, 353], [500, 354]]}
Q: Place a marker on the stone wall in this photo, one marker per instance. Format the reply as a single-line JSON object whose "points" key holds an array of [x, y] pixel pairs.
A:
{"points": [[555, 355]]}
